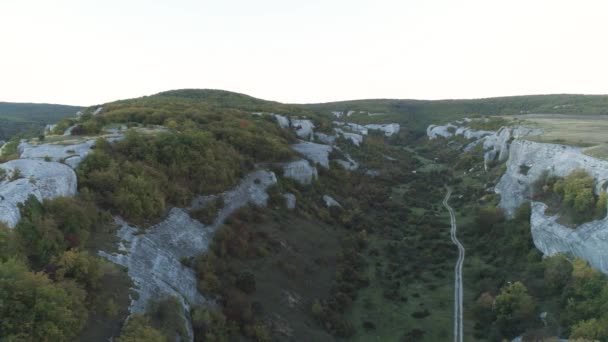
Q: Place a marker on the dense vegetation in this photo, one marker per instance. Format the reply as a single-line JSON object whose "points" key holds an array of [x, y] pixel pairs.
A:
{"points": [[23, 118], [48, 281], [572, 196], [206, 150]]}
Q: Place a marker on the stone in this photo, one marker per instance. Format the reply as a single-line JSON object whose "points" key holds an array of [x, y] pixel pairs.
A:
{"points": [[354, 138], [301, 171], [290, 200], [356, 128], [304, 128], [43, 180], [325, 138], [387, 129], [434, 131], [316, 153], [330, 202], [72, 155]]}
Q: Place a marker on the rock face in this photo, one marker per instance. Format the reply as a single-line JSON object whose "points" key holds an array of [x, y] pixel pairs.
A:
{"points": [[558, 160], [446, 131], [588, 241], [44, 180], [153, 258], [72, 155], [304, 128], [496, 146], [387, 129], [301, 171], [317, 153]]}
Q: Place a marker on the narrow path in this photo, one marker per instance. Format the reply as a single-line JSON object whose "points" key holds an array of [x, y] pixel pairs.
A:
{"points": [[457, 271]]}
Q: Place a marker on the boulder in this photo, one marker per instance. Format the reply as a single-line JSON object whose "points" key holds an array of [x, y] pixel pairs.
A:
{"points": [[301, 171], [304, 128], [317, 153]]}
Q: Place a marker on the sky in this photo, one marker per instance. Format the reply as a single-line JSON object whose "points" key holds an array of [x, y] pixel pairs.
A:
{"points": [[86, 52]]}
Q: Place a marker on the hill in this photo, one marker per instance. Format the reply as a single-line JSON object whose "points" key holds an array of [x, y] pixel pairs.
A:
{"points": [[421, 113], [318, 222], [17, 118]]}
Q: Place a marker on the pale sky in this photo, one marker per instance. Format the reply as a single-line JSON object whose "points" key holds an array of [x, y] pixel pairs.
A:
{"points": [[86, 52]]}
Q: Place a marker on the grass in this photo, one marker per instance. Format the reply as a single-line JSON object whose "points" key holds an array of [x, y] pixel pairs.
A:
{"points": [[576, 130]]}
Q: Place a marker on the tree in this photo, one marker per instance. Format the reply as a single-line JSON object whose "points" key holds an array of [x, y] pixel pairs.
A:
{"points": [[514, 307], [79, 265], [138, 329], [35, 309], [592, 329], [558, 271]]}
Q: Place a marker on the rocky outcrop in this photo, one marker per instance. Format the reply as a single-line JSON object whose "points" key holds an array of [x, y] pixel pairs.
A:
{"points": [[588, 241], [435, 131], [43, 180], [325, 138], [153, 258], [496, 145], [352, 127], [387, 129], [354, 138], [559, 160], [304, 128], [301, 171], [72, 155], [316, 153]]}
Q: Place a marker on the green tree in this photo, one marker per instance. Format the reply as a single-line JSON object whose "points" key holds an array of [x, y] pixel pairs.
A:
{"points": [[514, 307], [138, 329], [35, 309]]}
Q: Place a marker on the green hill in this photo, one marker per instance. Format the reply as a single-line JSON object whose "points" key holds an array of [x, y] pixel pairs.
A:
{"points": [[17, 118]]}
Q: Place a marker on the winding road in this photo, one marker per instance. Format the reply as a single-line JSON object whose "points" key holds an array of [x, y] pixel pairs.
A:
{"points": [[457, 271]]}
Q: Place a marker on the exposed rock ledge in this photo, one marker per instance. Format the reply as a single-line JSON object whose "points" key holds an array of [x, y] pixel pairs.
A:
{"points": [[559, 160], [44, 180], [588, 241], [153, 258]]}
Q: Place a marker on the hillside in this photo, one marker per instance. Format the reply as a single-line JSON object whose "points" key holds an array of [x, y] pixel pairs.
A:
{"points": [[422, 113], [207, 215], [18, 118]]}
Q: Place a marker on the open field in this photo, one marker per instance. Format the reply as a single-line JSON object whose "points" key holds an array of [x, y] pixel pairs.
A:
{"points": [[579, 130]]}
